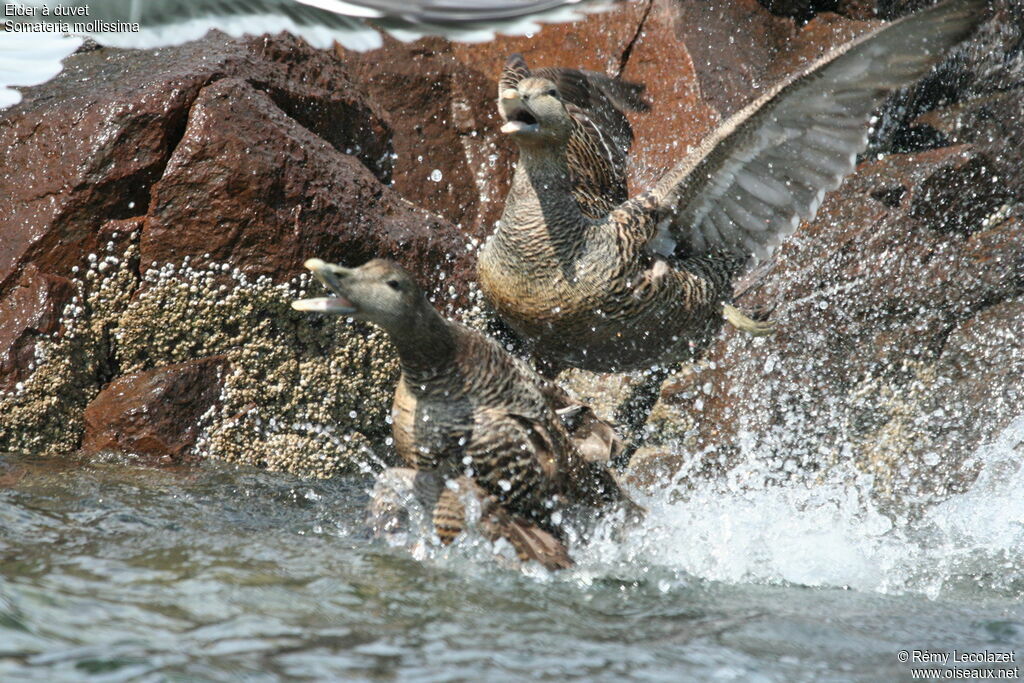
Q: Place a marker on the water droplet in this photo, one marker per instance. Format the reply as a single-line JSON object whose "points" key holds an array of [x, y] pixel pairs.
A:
{"points": [[435, 175]]}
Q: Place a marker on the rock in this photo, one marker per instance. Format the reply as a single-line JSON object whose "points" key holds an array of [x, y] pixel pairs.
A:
{"points": [[154, 413], [31, 309], [250, 187], [991, 123], [450, 157], [680, 115], [257, 152], [805, 10], [125, 111], [732, 45]]}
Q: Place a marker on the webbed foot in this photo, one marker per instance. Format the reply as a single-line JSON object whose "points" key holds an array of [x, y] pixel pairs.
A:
{"points": [[744, 323]]}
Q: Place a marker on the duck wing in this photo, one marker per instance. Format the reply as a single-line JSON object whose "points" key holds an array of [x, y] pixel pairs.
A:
{"points": [[395, 490], [516, 458], [748, 185], [594, 438], [529, 540]]}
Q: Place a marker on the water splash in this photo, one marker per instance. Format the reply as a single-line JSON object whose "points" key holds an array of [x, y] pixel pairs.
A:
{"points": [[831, 534]]}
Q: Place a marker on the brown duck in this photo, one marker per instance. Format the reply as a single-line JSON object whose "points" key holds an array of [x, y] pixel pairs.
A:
{"points": [[471, 419], [644, 282]]}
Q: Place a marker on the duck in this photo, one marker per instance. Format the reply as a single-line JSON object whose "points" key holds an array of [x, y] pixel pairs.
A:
{"points": [[649, 283], [470, 419]]}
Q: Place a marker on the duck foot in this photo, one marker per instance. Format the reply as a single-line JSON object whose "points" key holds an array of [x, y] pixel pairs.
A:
{"points": [[744, 323], [632, 414]]}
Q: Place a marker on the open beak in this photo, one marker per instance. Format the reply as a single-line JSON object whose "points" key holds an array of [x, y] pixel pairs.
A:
{"points": [[518, 117], [327, 273]]}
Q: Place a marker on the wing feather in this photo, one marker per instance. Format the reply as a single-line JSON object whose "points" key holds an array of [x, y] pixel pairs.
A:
{"points": [[747, 186]]}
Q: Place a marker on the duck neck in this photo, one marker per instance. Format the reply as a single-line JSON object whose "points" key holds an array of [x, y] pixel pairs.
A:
{"points": [[541, 204], [426, 347]]}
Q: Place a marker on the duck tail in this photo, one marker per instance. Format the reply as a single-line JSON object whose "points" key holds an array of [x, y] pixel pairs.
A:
{"points": [[530, 541]]}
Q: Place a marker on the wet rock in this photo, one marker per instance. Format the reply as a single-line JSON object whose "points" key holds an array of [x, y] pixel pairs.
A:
{"points": [[680, 115], [155, 413], [895, 348], [42, 413], [990, 122], [959, 196], [250, 187], [31, 309], [988, 68], [732, 45], [260, 152], [88, 146], [805, 10], [450, 157]]}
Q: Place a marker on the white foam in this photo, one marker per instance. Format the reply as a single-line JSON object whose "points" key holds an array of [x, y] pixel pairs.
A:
{"points": [[29, 59], [831, 534]]}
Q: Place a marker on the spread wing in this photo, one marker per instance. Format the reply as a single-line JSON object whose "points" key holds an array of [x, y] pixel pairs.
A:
{"points": [[748, 185]]}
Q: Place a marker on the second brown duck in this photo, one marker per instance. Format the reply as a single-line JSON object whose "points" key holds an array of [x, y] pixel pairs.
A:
{"points": [[469, 418]]}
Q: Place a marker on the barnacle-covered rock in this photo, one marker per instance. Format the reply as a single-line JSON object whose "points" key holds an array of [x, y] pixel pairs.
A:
{"points": [[161, 205], [299, 394]]}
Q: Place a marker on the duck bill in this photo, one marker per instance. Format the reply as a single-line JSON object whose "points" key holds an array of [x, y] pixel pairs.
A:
{"points": [[325, 304], [327, 273], [513, 127], [518, 117]]}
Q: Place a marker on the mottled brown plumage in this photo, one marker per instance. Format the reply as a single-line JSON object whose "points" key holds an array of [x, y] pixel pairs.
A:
{"points": [[644, 283], [465, 408]]}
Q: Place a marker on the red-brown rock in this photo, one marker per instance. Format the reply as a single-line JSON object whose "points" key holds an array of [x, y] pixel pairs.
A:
{"points": [[259, 152], [680, 115], [250, 187], [154, 413], [88, 146], [449, 156], [32, 308]]}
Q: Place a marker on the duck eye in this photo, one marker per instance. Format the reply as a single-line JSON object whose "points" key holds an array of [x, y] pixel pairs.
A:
{"points": [[395, 285], [552, 92]]}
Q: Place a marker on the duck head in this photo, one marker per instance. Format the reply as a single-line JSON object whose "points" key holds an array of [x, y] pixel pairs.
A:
{"points": [[531, 107], [379, 291]]}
